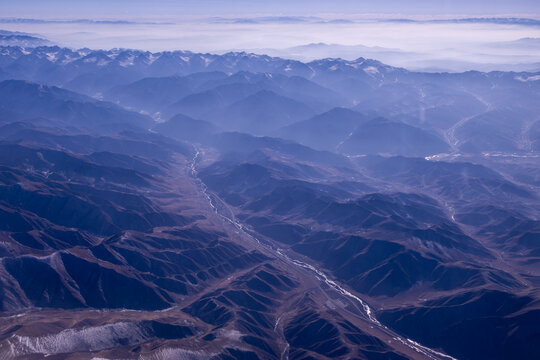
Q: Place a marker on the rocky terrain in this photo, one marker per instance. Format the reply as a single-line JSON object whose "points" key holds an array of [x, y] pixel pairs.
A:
{"points": [[179, 205]]}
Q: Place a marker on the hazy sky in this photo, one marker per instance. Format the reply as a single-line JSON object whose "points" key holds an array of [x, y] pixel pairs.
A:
{"points": [[150, 8], [199, 25]]}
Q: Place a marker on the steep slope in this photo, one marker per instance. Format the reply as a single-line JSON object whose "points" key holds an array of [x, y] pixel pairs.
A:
{"points": [[325, 131], [67, 109], [261, 113], [207, 104], [154, 94], [382, 136], [183, 127]]}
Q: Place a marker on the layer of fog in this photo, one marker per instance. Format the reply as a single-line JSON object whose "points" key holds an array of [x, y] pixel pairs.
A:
{"points": [[449, 46]]}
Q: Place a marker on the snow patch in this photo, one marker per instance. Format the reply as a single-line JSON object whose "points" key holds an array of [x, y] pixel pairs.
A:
{"points": [[526, 79], [103, 62], [177, 354], [152, 57], [129, 61], [73, 340], [371, 70], [207, 61], [230, 334], [52, 57]]}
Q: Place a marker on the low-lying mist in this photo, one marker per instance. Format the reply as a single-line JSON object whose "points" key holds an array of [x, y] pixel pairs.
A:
{"points": [[417, 45]]}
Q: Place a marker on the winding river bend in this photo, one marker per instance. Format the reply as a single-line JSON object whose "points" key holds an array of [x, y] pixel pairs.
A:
{"points": [[221, 209]]}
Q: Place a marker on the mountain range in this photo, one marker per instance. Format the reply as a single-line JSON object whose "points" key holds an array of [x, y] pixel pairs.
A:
{"points": [[241, 206]]}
